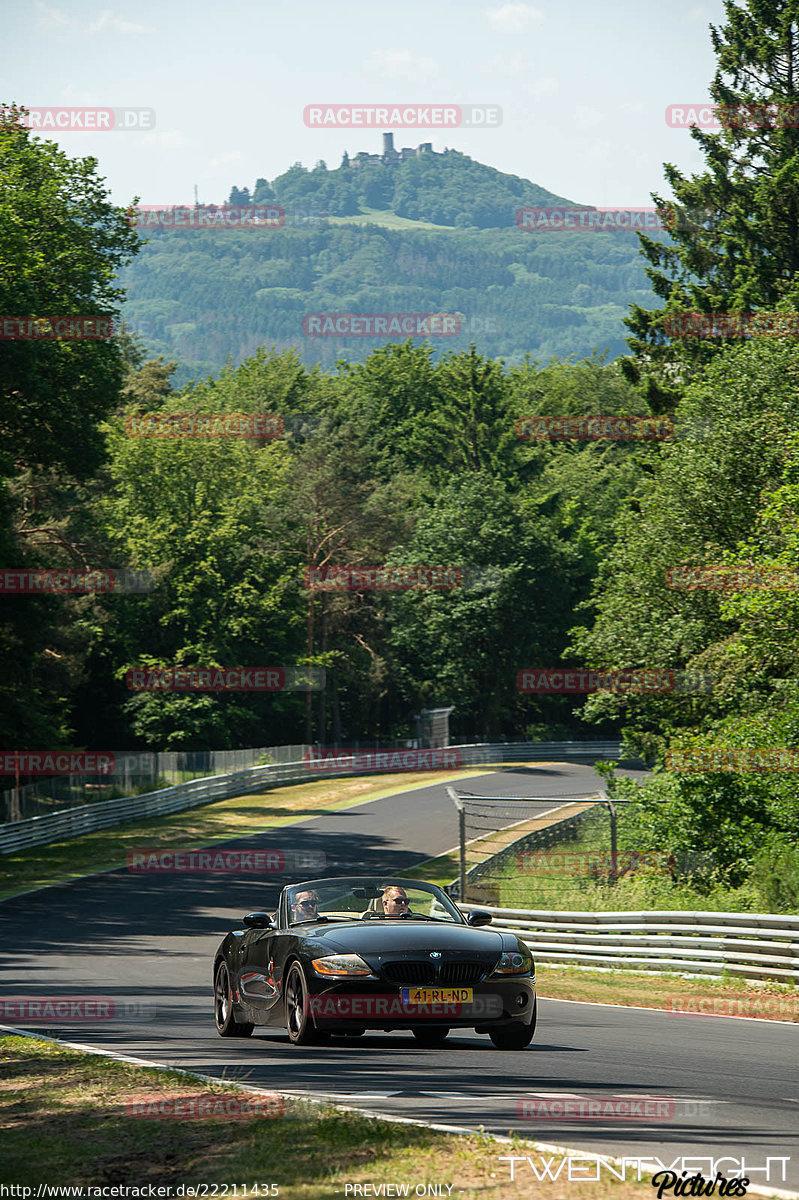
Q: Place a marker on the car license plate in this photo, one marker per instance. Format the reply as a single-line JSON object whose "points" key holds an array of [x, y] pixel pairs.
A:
{"points": [[426, 995]]}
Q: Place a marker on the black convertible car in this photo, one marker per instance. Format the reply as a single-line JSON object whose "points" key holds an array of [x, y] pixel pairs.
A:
{"points": [[341, 956]]}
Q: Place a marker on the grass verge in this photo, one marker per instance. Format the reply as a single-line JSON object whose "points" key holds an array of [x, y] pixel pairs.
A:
{"points": [[65, 1120], [221, 821], [715, 997]]}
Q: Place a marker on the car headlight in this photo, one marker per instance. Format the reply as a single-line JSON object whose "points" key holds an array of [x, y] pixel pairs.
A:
{"points": [[341, 966], [513, 962]]}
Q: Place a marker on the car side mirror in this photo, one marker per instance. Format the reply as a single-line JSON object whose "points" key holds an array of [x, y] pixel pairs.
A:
{"points": [[258, 920], [478, 916]]}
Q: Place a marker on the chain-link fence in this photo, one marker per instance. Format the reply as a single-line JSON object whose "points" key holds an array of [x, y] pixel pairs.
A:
{"points": [[571, 854], [134, 773]]}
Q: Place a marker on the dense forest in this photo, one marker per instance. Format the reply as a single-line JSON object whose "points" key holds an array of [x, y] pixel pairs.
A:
{"points": [[412, 457], [434, 234]]}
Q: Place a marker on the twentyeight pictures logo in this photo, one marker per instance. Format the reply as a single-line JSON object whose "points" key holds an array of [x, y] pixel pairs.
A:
{"points": [[402, 116]]}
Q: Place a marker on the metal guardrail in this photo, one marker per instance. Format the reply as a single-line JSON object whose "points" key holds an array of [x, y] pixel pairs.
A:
{"points": [[752, 945], [104, 814]]}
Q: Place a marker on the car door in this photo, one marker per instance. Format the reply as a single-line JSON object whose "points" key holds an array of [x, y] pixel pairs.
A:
{"points": [[256, 979]]}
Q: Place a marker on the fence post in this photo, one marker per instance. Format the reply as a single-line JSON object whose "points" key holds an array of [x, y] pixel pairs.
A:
{"points": [[462, 841]]}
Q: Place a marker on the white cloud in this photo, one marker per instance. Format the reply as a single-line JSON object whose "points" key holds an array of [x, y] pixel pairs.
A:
{"points": [[109, 20], [587, 118], [401, 64], [542, 87], [48, 18], [166, 137], [52, 18], [222, 160], [514, 18]]}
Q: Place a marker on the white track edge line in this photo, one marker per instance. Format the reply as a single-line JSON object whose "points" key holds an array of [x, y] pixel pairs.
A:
{"points": [[668, 1012], [567, 1151]]}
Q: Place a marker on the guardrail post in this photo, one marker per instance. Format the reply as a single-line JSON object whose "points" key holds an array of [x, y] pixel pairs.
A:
{"points": [[462, 843]]}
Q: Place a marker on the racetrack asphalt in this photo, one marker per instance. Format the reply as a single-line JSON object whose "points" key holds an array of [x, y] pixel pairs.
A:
{"points": [[149, 939]]}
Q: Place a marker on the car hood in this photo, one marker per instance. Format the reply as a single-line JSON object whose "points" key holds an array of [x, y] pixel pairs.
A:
{"points": [[405, 937]]}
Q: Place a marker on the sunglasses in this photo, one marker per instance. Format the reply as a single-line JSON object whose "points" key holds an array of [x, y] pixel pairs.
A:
{"points": [[398, 900], [306, 904]]}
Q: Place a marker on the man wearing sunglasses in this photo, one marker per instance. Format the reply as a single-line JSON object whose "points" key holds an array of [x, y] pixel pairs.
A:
{"points": [[304, 907], [395, 902]]}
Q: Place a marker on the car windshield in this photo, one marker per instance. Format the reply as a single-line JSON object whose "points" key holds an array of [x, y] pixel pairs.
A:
{"points": [[375, 899]]}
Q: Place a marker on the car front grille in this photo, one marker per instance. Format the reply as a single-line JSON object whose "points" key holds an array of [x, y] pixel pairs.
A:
{"points": [[422, 974], [460, 974], [410, 974]]}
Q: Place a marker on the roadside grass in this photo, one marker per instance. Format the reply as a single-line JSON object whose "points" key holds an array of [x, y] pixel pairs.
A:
{"points": [[65, 1121], [207, 825], [380, 216], [724, 996]]}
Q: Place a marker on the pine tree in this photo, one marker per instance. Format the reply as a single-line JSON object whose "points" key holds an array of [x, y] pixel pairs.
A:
{"points": [[735, 228]]}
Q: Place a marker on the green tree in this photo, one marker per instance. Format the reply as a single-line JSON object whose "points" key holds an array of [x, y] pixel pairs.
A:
{"points": [[62, 244], [736, 238]]}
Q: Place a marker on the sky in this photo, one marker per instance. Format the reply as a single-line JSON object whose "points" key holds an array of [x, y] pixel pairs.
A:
{"points": [[583, 87]]}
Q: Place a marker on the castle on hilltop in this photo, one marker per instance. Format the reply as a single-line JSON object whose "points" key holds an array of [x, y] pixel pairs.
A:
{"points": [[390, 156]]}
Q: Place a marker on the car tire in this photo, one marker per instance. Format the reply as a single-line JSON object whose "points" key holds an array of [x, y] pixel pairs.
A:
{"points": [[224, 1017], [299, 1024], [430, 1036], [514, 1037]]}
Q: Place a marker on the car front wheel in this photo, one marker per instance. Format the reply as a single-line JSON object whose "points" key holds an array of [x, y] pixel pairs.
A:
{"points": [[300, 1027], [226, 1023]]}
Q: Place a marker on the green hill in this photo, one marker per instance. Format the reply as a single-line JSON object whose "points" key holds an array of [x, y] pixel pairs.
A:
{"points": [[434, 234]]}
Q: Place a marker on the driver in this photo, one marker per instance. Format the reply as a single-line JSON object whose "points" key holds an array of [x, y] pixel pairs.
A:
{"points": [[395, 902], [304, 906]]}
